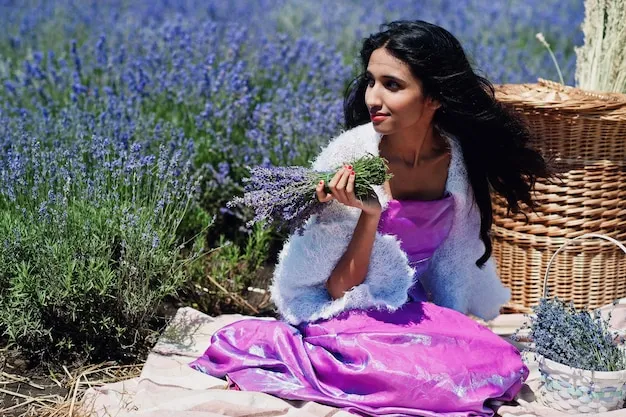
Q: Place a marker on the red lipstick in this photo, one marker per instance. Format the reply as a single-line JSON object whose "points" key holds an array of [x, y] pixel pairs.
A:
{"points": [[378, 117]]}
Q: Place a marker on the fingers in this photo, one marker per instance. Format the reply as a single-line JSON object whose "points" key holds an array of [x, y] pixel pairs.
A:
{"points": [[338, 185], [322, 196], [342, 189], [350, 189], [333, 182]]}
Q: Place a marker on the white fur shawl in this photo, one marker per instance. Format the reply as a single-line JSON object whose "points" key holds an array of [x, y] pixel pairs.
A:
{"points": [[306, 262]]}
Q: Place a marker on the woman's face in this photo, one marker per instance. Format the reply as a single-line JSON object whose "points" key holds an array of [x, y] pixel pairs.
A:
{"points": [[394, 96]]}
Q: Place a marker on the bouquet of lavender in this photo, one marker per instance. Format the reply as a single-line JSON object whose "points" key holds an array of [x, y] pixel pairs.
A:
{"points": [[578, 339], [287, 194]]}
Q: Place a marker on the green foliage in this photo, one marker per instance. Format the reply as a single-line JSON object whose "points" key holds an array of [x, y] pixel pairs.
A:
{"points": [[223, 279], [89, 289]]}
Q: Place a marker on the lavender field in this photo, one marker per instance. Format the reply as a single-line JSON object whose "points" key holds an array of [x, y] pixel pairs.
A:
{"points": [[126, 126]]}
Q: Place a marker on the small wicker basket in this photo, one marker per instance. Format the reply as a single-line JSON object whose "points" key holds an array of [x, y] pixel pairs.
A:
{"points": [[584, 134], [575, 390]]}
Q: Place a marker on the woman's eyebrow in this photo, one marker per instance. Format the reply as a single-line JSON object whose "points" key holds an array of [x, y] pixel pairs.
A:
{"points": [[387, 76]]}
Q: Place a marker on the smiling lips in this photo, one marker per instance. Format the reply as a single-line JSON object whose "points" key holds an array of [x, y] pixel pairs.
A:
{"points": [[378, 117]]}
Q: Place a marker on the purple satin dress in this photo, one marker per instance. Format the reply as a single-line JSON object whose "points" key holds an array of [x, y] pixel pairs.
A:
{"points": [[421, 360]]}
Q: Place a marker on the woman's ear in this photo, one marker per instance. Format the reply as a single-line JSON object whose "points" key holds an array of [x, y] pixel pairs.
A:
{"points": [[432, 103]]}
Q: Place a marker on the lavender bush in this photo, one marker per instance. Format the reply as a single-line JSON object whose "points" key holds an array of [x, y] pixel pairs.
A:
{"points": [[89, 212], [111, 113], [580, 339], [500, 35]]}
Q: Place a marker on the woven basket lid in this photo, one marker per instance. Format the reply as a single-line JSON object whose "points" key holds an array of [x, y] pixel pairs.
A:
{"points": [[551, 96]]}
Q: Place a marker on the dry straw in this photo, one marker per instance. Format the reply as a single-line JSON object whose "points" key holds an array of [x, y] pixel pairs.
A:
{"points": [[76, 383], [601, 60], [545, 43]]}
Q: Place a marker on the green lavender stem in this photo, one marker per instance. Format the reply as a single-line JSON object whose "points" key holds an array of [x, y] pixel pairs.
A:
{"points": [[369, 170]]}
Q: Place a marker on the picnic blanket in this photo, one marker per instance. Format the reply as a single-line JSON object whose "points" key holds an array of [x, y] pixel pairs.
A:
{"points": [[168, 387]]}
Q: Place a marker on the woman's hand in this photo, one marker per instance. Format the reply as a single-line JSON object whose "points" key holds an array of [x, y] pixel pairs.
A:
{"points": [[342, 189]]}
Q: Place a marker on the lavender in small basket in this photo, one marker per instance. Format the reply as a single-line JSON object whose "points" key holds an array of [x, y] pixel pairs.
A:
{"points": [[287, 194], [578, 339]]}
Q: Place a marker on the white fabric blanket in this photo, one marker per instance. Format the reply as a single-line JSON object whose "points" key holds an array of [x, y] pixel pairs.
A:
{"points": [[168, 387]]}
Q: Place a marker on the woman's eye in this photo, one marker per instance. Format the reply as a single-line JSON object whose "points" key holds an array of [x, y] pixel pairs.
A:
{"points": [[392, 85]]}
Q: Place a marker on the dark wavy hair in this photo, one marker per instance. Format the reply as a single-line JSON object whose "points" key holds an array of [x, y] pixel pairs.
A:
{"points": [[494, 141]]}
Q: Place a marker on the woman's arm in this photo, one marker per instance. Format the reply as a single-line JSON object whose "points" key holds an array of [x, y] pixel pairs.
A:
{"points": [[307, 261], [352, 267]]}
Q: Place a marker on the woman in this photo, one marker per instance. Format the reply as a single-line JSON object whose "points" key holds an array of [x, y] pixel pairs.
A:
{"points": [[374, 294]]}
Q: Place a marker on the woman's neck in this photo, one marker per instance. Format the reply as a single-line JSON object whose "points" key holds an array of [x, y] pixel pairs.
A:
{"points": [[412, 147]]}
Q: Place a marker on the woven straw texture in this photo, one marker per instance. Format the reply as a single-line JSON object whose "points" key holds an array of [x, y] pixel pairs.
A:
{"points": [[584, 135]]}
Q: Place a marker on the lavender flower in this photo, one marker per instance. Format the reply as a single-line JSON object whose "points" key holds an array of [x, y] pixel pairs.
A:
{"points": [[580, 339], [108, 110], [287, 194]]}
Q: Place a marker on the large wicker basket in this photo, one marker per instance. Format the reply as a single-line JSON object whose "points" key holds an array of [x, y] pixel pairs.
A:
{"points": [[584, 134]]}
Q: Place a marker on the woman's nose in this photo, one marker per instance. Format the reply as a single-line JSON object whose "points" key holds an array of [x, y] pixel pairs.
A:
{"points": [[372, 97]]}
